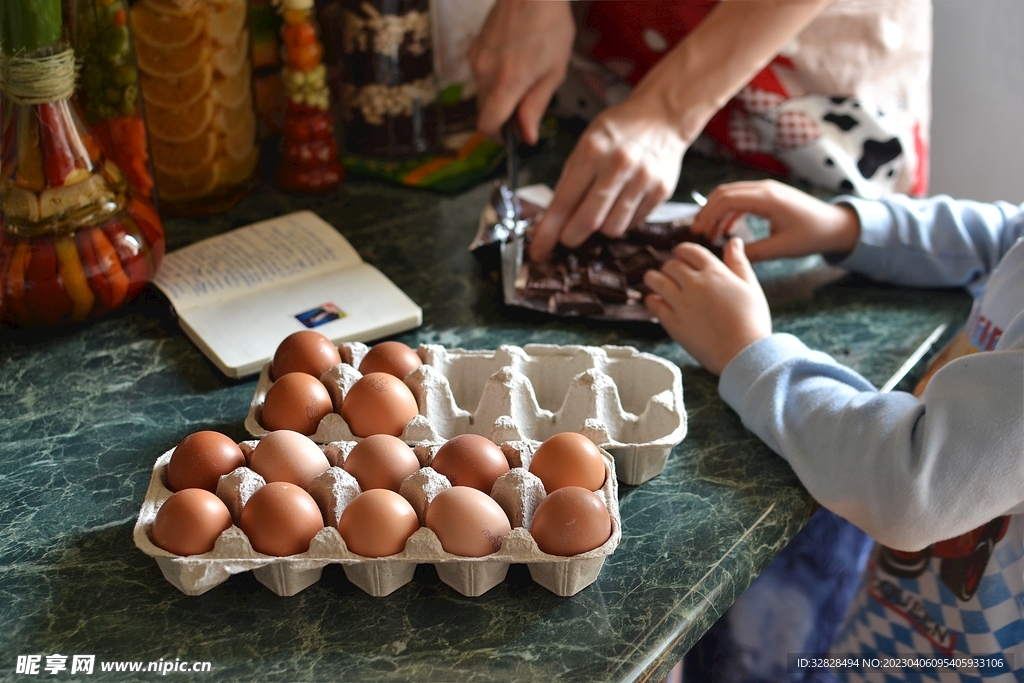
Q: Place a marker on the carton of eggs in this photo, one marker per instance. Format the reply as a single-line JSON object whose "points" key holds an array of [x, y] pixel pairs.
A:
{"points": [[632, 401], [269, 525]]}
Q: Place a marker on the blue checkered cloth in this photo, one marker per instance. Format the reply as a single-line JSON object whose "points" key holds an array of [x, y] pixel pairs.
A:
{"points": [[828, 571]]}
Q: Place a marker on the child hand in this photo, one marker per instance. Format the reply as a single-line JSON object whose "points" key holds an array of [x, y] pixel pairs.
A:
{"points": [[713, 309], [800, 224]]}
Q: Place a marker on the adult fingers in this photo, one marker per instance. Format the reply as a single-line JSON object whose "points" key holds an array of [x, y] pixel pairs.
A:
{"points": [[535, 102], [573, 185], [656, 195], [497, 105], [624, 211]]}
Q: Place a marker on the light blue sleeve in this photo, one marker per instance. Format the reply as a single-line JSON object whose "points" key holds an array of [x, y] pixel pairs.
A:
{"points": [[909, 472], [935, 242]]}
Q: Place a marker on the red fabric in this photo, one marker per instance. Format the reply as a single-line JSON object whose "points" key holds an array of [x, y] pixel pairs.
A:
{"points": [[619, 26]]}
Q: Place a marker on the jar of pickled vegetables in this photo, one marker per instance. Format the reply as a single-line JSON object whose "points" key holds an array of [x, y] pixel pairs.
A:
{"points": [[196, 78], [108, 88], [390, 105], [309, 159], [78, 240]]}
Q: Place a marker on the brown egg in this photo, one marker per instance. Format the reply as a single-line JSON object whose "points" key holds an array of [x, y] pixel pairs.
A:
{"points": [[288, 456], [304, 351], [392, 357], [570, 521], [377, 523], [296, 401], [568, 459], [381, 461], [200, 459], [467, 521], [471, 460], [281, 519], [378, 403], [190, 521]]}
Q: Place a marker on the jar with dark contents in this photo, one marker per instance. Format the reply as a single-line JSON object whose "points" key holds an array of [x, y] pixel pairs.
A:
{"points": [[390, 106]]}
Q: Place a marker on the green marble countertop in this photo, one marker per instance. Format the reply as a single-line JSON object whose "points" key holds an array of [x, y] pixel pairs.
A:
{"points": [[85, 412]]}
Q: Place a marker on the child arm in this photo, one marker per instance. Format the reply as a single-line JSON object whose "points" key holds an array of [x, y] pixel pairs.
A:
{"points": [[908, 471], [931, 242]]}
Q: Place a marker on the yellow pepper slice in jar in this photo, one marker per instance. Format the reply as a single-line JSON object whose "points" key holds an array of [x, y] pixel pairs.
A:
{"points": [[69, 266]]}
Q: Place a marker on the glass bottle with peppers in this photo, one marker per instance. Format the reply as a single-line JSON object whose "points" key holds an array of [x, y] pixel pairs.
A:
{"points": [[309, 161], [78, 240], [108, 89]]}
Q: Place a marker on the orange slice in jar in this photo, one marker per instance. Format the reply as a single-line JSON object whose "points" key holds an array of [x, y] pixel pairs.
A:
{"points": [[240, 138], [236, 171], [226, 22], [178, 157], [178, 8], [172, 63], [177, 92], [229, 59], [156, 25], [192, 184], [180, 124], [232, 91]]}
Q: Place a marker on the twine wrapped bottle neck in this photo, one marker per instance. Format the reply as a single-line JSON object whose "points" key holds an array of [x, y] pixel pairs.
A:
{"points": [[32, 80]]}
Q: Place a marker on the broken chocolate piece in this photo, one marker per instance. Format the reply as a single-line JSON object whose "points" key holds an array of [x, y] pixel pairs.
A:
{"points": [[610, 285], [621, 250], [634, 267], [543, 288], [658, 235], [576, 303]]}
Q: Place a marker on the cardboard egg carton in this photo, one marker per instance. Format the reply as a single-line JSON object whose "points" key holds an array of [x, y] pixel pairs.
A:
{"points": [[518, 493], [633, 400]]}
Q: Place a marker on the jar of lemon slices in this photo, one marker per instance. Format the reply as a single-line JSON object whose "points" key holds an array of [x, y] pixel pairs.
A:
{"points": [[195, 74]]}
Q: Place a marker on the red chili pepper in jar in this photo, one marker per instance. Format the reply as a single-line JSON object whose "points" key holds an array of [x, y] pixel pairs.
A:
{"points": [[6, 252], [129, 251], [110, 266], [98, 282], [311, 124], [45, 294], [145, 216], [58, 161], [14, 283]]}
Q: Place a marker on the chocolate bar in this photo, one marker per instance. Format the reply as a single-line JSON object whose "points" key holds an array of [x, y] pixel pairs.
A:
{"points": [[604, 276]]}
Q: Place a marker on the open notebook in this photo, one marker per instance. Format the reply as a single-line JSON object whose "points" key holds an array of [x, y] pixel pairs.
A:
{"points": [[237, 295]]}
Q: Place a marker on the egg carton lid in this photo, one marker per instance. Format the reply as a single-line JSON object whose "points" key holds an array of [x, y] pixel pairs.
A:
{"points": [[632, 399], [470, 576]]}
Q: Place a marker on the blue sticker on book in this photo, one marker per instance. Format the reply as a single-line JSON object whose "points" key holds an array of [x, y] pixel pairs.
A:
{"points": [[322, 314]]}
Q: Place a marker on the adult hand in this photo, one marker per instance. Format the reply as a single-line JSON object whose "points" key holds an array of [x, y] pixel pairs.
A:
{"points": [[519, 59], [625, 164], [713, 308], [800, 224]]}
